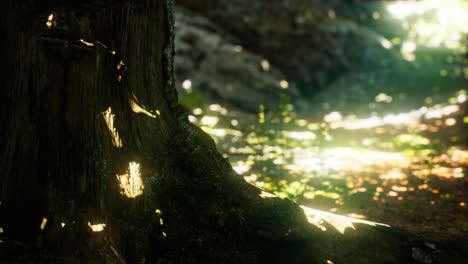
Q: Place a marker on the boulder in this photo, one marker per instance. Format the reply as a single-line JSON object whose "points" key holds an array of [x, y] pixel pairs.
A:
{"points": [[212, 63], [311, 41]]}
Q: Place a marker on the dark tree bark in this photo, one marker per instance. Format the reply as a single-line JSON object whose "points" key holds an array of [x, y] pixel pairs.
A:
{"points": [[88, 93]]}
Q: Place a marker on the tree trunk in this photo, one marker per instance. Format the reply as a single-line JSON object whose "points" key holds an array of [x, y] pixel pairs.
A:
{"points": [[89, 103]]}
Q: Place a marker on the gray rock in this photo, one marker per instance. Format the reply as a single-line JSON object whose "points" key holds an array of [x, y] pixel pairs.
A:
{"points": [[311, 41], [422, 255], [211, 62]]}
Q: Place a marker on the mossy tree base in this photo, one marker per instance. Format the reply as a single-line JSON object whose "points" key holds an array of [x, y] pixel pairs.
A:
{"points": [[60, 159]]}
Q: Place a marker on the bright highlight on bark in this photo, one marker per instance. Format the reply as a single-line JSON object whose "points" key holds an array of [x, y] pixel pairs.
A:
{"points": [[109, 118], [130, 183], [137, 108], [49, 21], [43, 223], [161, 222], [96, 227], [120, 65], [339, 222], [88, 44], [264, 194]]}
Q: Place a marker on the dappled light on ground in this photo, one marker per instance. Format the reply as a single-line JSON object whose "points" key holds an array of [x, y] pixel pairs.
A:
{"points": [[410, 119], [351, 165], [383, 136], [338, 161]]}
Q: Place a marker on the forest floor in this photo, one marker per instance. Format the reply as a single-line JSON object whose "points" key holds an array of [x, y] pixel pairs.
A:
{"points": [[408, 170], [390, 146]]}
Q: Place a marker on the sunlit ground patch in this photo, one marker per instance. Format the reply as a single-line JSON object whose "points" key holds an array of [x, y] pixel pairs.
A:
{"points": [[449, 165], [361, 167], [209, 121], [393, 174], [218, 108], [344, 159], [410, 119], [300, 135], [440, 171]]}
